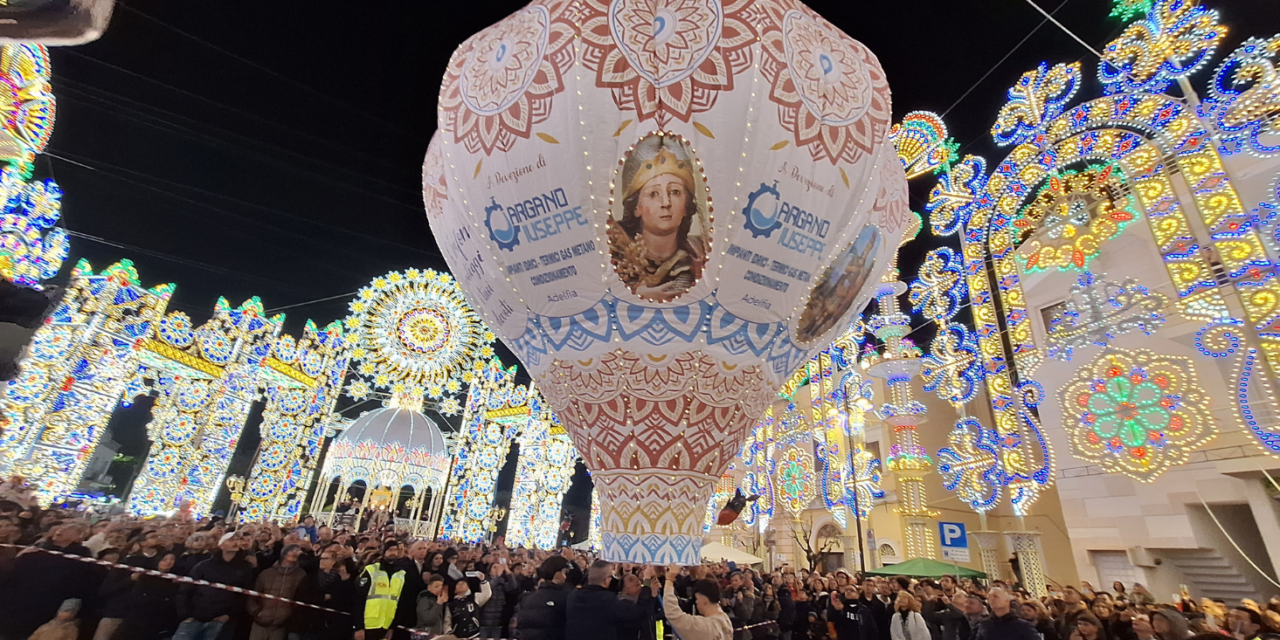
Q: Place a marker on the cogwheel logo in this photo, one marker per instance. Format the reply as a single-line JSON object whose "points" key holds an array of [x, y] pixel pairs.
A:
{"points": [[501, 229], [761, 211]]}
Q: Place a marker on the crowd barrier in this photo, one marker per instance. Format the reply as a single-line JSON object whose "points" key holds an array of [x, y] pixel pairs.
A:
{"points": [[738, 633]]}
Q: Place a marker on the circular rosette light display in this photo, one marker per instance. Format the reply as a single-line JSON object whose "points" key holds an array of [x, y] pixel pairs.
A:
{"points": [[797, 486], [415, 330], [1136, 412], [664, 209], [1071, 216]]}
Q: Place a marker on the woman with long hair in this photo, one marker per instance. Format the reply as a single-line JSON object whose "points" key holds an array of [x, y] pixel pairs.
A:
{"points": [[906, 622]]}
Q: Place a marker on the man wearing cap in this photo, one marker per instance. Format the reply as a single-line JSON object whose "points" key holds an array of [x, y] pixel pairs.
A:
{"points": [[651, 245], [205, 610]]}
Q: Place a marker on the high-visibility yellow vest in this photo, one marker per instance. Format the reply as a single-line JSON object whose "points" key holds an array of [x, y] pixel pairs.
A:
{"points": [[384, 593]]}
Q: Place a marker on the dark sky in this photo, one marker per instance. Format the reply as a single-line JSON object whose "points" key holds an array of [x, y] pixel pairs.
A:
{"points": [[274, 148]]}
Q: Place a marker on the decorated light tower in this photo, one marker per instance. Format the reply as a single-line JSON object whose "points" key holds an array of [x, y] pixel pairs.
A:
{"points": [[897, 363]]}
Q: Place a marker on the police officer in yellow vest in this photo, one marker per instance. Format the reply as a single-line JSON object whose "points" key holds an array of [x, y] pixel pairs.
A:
{"points": [[377, 593]]}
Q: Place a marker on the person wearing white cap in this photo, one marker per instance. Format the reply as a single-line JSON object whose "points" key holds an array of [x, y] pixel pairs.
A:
{"points": [[205, 610]]}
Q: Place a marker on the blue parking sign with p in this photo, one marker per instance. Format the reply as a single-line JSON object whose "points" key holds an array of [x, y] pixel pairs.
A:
{"points": [[955, 541]]}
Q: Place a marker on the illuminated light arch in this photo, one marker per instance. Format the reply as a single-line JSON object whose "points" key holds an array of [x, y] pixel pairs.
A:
{"points": [[79, 364]]}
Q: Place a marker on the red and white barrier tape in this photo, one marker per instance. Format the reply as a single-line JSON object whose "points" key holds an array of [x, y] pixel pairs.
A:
{"points": [[172, 576], [416, 634]]}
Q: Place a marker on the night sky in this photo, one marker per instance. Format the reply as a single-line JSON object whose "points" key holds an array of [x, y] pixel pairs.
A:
{"points": [[275, 148]]}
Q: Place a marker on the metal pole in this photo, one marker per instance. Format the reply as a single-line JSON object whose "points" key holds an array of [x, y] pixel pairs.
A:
{"points": [[444, 504], [862, 556]]}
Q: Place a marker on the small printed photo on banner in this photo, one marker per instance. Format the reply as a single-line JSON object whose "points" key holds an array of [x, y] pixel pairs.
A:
{"points": [[659, 226], [839, 286]]}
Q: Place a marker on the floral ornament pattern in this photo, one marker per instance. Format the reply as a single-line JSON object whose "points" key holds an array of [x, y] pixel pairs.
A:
{"points": [[831, 93], [953, 369], [26, 98], [796, 480], [670, 58], [1127, 9], [412, 331], [1172, 42], [1136, 412], [1098, 310], [1244, 96], [1072, 215], [501, 81], [952, 197], [1040, 95], [435, 188], [939, 290], [28, 208], [970, 465]]}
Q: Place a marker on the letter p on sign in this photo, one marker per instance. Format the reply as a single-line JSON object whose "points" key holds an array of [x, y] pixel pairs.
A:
{"points": [[955, 542]]}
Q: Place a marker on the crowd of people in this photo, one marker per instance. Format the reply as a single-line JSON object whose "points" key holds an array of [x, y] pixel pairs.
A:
{"points": [[386, 585]]}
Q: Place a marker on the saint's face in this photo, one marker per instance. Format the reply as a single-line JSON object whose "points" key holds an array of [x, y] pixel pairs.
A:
{"points": [[662, 204]]}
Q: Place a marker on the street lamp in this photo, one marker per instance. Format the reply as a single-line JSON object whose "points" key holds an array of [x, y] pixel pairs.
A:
{"points": [[235, 484]]}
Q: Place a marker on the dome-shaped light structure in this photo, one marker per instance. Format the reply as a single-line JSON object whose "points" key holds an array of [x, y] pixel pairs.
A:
{"points": [[387, 449], [664, 212]]}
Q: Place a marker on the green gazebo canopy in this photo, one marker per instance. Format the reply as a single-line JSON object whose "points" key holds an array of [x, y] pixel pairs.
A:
{"points": [[925, 568]]}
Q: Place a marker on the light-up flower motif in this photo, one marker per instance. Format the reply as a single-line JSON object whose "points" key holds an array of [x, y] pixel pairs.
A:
{"points": [[26, 210], [414, 331], [957, 188], [669, 58], [970, 466], [501, 81], [1136, 413], [939, 290], [1071, 216], [1098, 310], [1244, 96], [831, 92], [953, 368], [1172, 42], [1128, 9], [1039, 96], [796, 481], [26, 100]]}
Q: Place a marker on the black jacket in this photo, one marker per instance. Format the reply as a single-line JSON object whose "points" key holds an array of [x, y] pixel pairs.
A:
{"points": [[592, 614], [37, 585], [1007, 627], [503, 589], [636, 619], [541, 614], [853, 621], [788, 612], [407, 607], [153, 611], [188, 561], [880, 612], [340, 595], [206, 603], [943, 619]]}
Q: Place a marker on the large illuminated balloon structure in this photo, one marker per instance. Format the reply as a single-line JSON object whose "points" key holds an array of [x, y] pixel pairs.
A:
{"points": [[663, 212]]}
